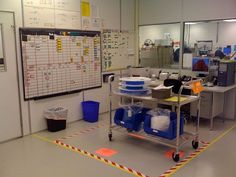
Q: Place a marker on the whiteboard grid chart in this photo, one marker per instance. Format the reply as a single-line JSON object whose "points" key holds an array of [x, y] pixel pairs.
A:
{"points": [[58, 62]]}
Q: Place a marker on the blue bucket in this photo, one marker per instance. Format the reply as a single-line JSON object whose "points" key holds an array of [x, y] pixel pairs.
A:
{"points": [[90, 111]]}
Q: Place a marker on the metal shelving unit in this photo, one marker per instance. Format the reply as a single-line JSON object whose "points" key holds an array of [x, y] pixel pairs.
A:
{"points": [[180, 140]]}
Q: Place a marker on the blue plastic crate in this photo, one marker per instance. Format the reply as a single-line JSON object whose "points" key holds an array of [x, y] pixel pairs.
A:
{"points": [[170, 133], [132, 123]]}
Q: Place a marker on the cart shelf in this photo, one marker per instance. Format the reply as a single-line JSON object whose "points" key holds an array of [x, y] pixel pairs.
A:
{"points": [[184, 138]]}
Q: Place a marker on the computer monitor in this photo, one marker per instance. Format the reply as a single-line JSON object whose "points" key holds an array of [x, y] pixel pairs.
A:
{"points": [[200, 65], [227, 50]]}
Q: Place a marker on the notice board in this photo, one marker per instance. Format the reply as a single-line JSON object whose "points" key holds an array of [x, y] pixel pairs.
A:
{"points": [[52, 14], [117, 49], [57, 62]]}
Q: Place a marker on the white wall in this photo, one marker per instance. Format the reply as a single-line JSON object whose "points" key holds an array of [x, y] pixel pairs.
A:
{"points": [[32, 111], [128, 23], [165, 11], [159, 11], [208, 9], [127, 15], [110, 13]]}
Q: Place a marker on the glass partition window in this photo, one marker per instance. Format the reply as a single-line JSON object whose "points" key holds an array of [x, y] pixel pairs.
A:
{"points": [[159, 45], [213, 39], [2, 67]]}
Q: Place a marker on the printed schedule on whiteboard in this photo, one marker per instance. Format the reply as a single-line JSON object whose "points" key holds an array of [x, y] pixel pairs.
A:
{"points": [[58, 62]]}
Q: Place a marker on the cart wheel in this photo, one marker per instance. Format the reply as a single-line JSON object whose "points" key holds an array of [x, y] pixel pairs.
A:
{"points": [[110, 136], [129, 130], [195, 144], [175, 157]]}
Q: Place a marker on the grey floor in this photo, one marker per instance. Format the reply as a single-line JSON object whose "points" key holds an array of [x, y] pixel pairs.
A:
{"points": [[37, 156]]}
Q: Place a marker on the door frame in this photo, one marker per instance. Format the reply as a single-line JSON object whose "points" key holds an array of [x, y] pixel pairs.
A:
{"points": [[17, 72]]}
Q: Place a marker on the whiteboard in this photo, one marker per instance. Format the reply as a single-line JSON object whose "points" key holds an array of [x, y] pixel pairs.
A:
{"points": [[39, 3], [52, 14], [58, 62], [70, 5], [39, 17], [116, 49], [67, 19]]}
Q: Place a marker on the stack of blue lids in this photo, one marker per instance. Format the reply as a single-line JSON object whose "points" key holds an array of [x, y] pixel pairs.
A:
{"points": [[134, 85]]}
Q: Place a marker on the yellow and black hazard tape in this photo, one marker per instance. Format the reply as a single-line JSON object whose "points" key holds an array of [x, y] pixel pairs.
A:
{"points": [[186, 160], [101, 159], [81, 132]]}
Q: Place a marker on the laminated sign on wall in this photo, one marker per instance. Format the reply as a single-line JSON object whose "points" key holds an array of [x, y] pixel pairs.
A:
{"points": [[115, 46], [52, 14], [90, 16], [57, 62]]}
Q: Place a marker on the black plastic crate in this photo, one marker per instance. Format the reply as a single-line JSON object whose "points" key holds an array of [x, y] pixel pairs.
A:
{"points": [[56, 125]]}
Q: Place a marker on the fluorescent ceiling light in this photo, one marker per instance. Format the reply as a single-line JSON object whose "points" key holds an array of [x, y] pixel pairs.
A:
{"points": [[230, 20], [190, 23]]}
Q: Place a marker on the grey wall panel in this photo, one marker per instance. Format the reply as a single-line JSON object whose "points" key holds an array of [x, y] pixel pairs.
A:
{"points": [[159, 11], [208, 9], [127, 14]]}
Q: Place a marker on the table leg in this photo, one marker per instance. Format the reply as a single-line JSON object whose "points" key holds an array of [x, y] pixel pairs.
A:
{"points": [[223, 118], [177, 129], [211, 124]]}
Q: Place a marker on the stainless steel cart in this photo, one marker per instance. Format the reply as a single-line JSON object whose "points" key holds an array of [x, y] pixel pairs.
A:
{"points": [[180, 140]]}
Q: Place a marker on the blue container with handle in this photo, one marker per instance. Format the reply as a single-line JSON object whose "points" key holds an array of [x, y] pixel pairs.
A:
{"points": [[170, 133], [90, 111], [132, 122]]}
